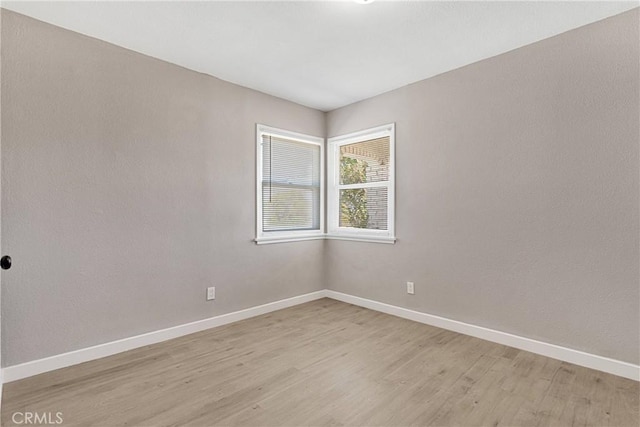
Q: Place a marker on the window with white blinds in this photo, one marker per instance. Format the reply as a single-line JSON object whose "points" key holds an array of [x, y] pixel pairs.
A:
{"points": [[290, 185], [361, 185]]}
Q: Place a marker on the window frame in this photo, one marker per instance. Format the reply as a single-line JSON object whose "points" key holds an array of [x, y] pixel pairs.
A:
{"points": [[334, 230], [263, 237]]}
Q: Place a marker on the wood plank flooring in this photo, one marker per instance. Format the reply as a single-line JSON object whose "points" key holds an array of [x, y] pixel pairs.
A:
{"points": [[326, 363]]}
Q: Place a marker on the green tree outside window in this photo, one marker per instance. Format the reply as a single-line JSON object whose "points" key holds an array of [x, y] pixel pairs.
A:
{"points": [[353, 202]]}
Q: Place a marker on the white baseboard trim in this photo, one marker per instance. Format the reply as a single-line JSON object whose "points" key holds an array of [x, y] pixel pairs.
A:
{"points": [[600, 363], [35, 367]]}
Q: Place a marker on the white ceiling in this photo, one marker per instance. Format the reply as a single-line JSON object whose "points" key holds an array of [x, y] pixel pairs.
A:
{"points": [[323, 54]]}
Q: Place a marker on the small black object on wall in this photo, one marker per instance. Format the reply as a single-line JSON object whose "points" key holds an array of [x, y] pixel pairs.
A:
{"points": [[5, 262]]}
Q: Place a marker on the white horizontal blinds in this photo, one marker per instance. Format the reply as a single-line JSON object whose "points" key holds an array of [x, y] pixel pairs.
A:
{"points": [[364, 184], [290, 184]]}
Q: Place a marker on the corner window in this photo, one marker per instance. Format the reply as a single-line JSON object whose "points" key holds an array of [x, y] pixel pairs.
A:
{"points": [[361, 185], [290, 191]]}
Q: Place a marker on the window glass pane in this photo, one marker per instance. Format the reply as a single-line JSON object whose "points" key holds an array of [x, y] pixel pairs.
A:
{"points": [[364, 208], [290, 185], [290, 207], [366, 161]]}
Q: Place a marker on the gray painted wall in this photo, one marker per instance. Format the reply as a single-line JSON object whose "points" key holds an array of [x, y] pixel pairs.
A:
{"points": [[517, 193], [128, 187]]}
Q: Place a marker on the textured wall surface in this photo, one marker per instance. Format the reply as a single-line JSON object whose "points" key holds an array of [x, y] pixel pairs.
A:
{"points": [[517, 193], [128, 187]]}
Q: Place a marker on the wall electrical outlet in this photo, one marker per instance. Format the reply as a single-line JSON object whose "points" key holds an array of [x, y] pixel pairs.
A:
{"points": [[211, 293], [410, 289]]}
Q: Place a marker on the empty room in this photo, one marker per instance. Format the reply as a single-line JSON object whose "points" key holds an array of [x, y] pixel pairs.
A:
{"points": [[314, 213]]}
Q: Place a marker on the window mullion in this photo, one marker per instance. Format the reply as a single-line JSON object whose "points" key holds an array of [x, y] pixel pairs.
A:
{"points": [[363, 185]]}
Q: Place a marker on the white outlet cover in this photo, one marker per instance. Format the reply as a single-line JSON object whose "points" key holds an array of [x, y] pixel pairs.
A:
{"points": [[410, 288]]}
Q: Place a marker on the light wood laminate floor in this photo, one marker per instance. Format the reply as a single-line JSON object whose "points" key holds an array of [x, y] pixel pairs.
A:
{"points": [[327, 363]]}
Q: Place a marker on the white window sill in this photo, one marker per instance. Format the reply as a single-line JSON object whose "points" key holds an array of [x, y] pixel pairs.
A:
{"points": [[286, 239], [357, 238]]}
